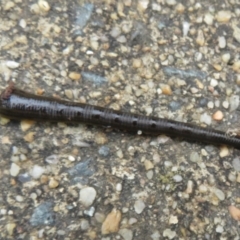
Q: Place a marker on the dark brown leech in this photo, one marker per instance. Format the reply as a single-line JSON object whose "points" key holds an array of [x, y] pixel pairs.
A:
{"points": [[17, 104]]}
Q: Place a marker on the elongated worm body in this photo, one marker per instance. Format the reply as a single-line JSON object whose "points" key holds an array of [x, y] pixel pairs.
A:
{"points": [[18, 104]]}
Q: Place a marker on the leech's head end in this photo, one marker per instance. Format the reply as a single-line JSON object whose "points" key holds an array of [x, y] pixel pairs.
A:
{"points": [[7, 92]]}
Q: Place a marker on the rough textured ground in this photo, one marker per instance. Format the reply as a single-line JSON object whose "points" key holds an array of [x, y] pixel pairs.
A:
{"points": [[167, 58]]}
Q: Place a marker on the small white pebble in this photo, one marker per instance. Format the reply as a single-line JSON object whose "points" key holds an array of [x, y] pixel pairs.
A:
{"points": [[232, 177], [234, 102], [173, 219], [122, 39], [33, 196], [156, 235], [225, 104], [171, 2], [94, 61], [195, 157], [223, 16], [71, 158], [87, 196], [202, 188], [131, 103], [8, 5], [52, 159], [15, 150], [12, 64], [177, 178], [169, 233], [139, 132], [99, 217], [94, 44], [156, 7], [149, 174], [205, 118], [219, 194], [3, 211], [23, 157], [84, 224], [226, 57], [143, 4], [217, 103], [222, 42], [204, 152], [186, 27], [219, 229], [198, 56], [37, 171], [19, 198], [210, 105], [14, 170], [139, 206], [168, 164], [194, 90], [15, 158], [67, 50], [159, 91], [22, 23], [44, 5], [119, 187], [148, 110], [224, 151], [131, 221], [213, 82], [208, 19], [115, 32]]}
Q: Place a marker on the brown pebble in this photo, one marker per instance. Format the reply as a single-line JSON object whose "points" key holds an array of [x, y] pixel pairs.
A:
{"points": [[6, 140], [199, 84], [74, 76], [101, 138], [236, 66], [40, 91], [218, 115], [10, 226], [75, 152], [13, 182], [166, 90], [238, 177], [44, 179], [148, 165], [4, 121], [29, 137], [180, 8], [127, 3], [234, 212], [26, 124], [111, 223], [200, 40], [53, 183], [217, 67], [137, 63]]}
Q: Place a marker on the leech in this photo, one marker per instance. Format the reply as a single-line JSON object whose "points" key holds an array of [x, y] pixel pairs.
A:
{"points": [[18, 104]]}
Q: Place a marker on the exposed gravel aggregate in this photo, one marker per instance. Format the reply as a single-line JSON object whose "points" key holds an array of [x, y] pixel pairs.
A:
{"points": [[167, 58]]}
